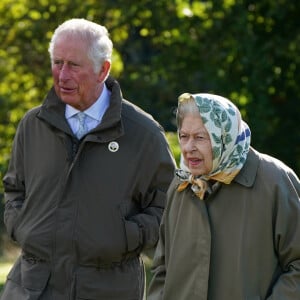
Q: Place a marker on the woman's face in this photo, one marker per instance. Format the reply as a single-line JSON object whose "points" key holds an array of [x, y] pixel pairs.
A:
{"points": [[195, 145]]}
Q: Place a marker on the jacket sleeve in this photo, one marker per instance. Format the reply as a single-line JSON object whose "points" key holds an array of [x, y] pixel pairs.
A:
{"points": [[156, 173], [159, 264], [14, 184], [287, 238], [156, 287]]}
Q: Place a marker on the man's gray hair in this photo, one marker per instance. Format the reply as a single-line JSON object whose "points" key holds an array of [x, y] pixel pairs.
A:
{"points": [[96, 36]]}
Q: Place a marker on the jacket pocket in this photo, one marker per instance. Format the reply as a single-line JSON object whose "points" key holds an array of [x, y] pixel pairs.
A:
{"points": [[11, 217], [26, 280], [123, 281], [132, 232]]}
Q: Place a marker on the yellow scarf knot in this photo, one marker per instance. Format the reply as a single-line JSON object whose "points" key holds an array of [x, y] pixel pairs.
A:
{"points": [[198, 185]]}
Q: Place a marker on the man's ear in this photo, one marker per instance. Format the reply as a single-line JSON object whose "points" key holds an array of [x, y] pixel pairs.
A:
{"points": [[104, 71]]}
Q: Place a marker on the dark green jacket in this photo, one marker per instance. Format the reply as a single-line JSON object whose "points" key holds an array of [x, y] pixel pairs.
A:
{"points": [[241, 243], [82, 213]]}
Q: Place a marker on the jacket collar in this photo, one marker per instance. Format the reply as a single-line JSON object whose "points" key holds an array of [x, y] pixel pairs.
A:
{"points": [[53, 112], [247, 174]]}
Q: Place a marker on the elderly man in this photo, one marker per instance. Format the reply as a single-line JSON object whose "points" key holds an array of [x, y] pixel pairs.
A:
{"points": [[87, 180]]}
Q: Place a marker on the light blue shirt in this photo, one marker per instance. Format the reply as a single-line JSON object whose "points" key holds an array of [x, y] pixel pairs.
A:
{"points": [[94, 113]]}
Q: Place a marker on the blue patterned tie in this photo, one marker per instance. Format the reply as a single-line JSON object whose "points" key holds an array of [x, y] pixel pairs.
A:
{"points": [[82, 129]]}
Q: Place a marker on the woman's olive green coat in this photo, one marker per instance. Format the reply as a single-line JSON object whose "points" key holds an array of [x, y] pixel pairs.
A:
{"points": [[240, 243]]}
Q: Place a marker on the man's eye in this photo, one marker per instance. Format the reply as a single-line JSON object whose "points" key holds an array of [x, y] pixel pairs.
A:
{"points": [[74, 64], [58, 63]]}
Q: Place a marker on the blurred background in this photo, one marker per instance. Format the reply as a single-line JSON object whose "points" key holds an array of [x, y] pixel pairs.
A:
{"points": [[248, 51]]}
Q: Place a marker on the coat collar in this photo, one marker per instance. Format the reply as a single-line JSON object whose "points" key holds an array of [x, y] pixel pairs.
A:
{"points": [[53, 112], [247, 174]]}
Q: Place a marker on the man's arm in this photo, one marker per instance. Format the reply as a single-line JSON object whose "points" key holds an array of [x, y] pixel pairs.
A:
{"points": [[14, 184]]}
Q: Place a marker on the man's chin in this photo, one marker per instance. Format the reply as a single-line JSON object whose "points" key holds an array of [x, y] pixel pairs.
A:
{"points": [[69, 100]]}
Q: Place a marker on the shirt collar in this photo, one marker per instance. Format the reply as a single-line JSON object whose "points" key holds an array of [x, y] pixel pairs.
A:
{"points": [[96, 111]]}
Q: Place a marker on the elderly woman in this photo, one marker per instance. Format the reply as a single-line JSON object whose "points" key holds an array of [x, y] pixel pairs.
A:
{"points": [[231, 228]]}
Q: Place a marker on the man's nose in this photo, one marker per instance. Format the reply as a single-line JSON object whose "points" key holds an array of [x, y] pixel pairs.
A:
{"points": [[64, 73]]}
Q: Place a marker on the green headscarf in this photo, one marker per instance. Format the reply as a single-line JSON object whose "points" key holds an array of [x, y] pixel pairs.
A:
{"points": [[229, 135]]}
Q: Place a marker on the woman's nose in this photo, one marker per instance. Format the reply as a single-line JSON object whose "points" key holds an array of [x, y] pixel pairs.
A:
{"points": [[190, 145]]}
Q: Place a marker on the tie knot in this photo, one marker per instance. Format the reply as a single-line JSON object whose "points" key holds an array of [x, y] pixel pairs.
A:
{"points": [[81, 116], [82, 127]]}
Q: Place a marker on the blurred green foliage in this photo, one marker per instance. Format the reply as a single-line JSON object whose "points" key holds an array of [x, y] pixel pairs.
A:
{"points": [[247, 51], [173, 141]]}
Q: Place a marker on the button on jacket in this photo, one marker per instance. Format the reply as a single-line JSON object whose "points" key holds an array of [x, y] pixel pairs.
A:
{"points": [[82, 212]]}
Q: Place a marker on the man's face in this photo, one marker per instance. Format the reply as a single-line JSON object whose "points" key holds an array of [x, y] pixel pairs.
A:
{"points": [[75, 80]]}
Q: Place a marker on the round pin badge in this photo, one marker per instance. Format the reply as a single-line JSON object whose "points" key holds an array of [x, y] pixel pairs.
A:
{"points": [[113, 146]]}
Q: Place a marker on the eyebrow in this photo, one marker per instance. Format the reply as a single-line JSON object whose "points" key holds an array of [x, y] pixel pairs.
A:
{"points": [[201, 131]]}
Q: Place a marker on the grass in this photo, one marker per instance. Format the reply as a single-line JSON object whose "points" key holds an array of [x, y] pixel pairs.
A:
{"points": [[4, 269], [9, 253]]}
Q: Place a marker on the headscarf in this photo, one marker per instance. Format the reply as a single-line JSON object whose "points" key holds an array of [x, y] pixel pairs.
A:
{"points": [[230, 139]]}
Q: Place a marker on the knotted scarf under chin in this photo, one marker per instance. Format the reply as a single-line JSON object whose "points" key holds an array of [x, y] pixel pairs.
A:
{"points": [[198, 185]]}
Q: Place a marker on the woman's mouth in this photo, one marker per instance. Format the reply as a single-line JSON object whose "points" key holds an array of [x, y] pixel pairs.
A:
{"points": [[194, 162]]}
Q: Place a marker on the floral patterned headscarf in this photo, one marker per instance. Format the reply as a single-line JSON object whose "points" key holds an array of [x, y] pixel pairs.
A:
{"points": [[229, 135]]}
